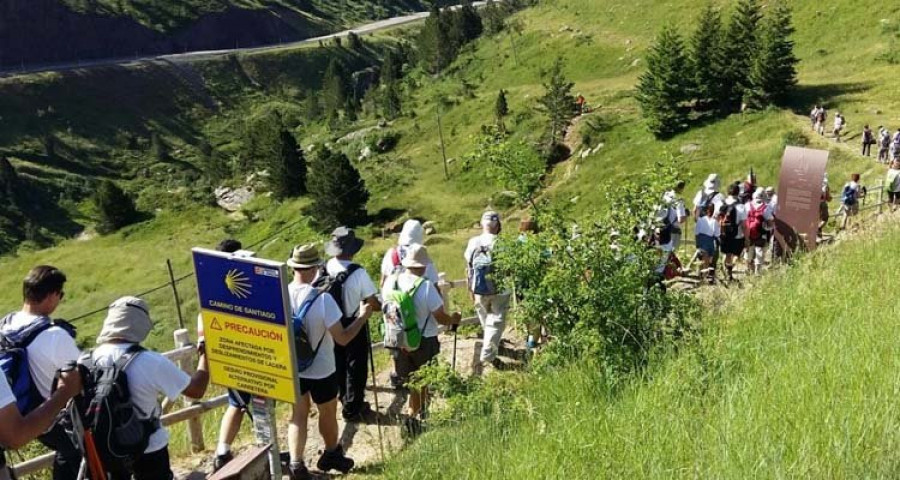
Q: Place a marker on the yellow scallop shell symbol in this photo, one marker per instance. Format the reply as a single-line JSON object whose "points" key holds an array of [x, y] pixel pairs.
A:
{"points": [[238, 283]]}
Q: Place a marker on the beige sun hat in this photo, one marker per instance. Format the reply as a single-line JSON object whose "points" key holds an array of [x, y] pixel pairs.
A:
{"points": [[416, 257], [304, 256]]}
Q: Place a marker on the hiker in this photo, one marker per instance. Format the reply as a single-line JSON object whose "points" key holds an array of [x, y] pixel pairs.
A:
{"points": [[731, 220], [579, 104], [403, 290], [320, 318], [824, 213], [821, 118], [19, 428], [812, 118], [850, 196], [839, 123], [238, 401], [895, 146], [892, 184], [747, 188], [412, 234], [773, 201], [708, 195], [884, 144], [757, 225], [358, 297], [868, 139], [706, 237], [491, 304], [149, 376], [676, 213], [50, 346]]}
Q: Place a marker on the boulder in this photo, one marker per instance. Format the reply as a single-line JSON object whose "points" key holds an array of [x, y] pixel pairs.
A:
{"points": [[598, 147], [586, 153], [430, 228], [690, 148], [232, 199], [365, 153]]}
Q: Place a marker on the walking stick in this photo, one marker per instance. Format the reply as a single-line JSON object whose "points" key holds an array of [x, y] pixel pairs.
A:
{"points": [[375, 392]]}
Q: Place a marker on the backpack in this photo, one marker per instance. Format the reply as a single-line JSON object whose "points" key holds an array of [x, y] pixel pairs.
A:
{"points": [[14, 359], [665, 231], [401, 327], [756, 217], [480, 269], [334, 285], [306, 354], [108, 412], [848, 195], [706, 201], [728, 221]]}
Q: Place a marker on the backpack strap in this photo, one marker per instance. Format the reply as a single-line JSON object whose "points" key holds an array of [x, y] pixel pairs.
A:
{"points": [[304, 309], [24, 336]]}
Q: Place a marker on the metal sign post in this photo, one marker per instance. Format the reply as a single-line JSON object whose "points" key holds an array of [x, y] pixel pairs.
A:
{"points": [[246, 317]]}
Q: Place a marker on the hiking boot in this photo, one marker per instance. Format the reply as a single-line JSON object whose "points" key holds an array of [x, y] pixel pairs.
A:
{"points": [[335, 460], [298, 471], [365, 412], [221, 460]]}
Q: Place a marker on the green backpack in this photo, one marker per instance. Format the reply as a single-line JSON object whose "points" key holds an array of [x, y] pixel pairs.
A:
{"points": [[401, 328]]}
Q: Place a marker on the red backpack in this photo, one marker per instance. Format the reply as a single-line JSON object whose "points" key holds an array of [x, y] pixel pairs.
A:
{"points": [[755, 219]]}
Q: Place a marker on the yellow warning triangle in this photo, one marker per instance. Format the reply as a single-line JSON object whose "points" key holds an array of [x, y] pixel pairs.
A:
{"points": [[215, 324]]}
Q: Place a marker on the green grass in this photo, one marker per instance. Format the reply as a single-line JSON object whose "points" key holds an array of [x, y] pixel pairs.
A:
{"points": [[795, 379]]}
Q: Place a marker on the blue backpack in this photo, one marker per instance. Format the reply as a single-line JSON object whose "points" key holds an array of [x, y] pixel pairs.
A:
{"points": [[306, 354], [14, 358], [480, 269], [848, 196]]}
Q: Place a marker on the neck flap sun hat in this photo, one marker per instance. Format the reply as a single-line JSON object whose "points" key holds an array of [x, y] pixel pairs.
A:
{"points": [[127, 320], [304, 256], [416, 257], [712, 183], [759, 194], [412, 233], [343, 242]]}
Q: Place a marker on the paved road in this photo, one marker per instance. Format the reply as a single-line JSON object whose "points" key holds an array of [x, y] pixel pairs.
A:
{"points": [[208, 54]]}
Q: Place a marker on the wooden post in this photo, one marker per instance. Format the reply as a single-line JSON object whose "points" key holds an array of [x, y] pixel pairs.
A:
{"points": [[881, 198], [195, 427]]}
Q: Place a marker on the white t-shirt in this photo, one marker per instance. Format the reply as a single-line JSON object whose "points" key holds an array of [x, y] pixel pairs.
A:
{"points": [[675, 207], [50, 351], [357, 288], [483, 240], [740, 213], [150, 375], [708, 226], [717, 201], [323, 314], [387, 268], [427, 301], [6, 394]]}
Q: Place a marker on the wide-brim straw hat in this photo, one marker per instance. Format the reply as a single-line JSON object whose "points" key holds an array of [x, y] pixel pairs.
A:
{"points": [[416, 257], [304, 256]]}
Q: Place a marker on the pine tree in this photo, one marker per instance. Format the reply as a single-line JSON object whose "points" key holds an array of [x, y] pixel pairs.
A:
{"points": [[663, 88], [158, 147], [334, 91], [436, 42], [287, 168], [706, 58], [116, 207], [391, 104], [501, 110], [469, 21], [774, 71], [741, 44], [338, 192], [354, 42], [392, 67], [558, 104]]}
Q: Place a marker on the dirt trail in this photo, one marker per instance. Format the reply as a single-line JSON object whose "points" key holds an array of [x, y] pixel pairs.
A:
{"points": [[360, 440]]}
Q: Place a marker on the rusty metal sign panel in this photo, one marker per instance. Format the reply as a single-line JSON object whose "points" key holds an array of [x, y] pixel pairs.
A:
{"points": [[799, 193]]}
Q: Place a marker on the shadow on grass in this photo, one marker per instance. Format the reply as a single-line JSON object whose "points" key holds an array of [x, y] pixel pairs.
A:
{"points": [[805, 97]]}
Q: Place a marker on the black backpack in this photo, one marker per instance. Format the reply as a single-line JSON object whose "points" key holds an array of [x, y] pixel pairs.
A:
{"points": [[334, 285], [706, 201], [108, 412], [729, 221]]}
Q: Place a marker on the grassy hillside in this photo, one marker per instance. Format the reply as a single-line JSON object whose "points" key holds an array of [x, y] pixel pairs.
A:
{"points": [[794, 378]]}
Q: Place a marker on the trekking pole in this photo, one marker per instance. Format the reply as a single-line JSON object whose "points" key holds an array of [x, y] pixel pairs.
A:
{"points": [[375, 392]]}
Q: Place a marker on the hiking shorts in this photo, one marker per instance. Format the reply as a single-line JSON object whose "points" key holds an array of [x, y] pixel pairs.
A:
{"points": [[732, 246], [406, 363], [706, 244], [239, 399], [322, 390]]}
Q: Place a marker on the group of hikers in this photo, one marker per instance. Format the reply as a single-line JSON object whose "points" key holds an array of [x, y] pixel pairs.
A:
{"points": [[888, 143], [100, 410], [739, 221]]}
